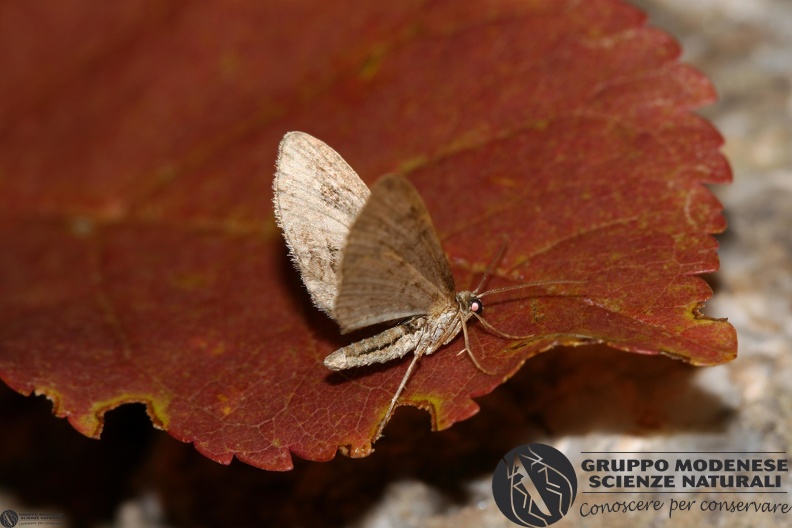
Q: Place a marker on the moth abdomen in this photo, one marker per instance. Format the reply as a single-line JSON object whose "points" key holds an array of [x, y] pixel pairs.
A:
{"points": [[392, 343]]}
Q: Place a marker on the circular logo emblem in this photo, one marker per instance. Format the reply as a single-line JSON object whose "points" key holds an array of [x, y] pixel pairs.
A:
{"points": [[9, 518], [534, 485]]}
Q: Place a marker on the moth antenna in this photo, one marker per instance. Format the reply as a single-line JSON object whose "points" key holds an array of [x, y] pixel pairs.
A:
{"points": [[395, 399], [526, 285], [488, 271], [498, 332], [470, 352], [495, 331]]}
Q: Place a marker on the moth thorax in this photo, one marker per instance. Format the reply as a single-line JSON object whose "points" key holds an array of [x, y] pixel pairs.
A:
{"points": [[469, 302]]}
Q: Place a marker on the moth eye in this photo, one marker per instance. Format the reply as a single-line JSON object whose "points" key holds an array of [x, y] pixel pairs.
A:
{"points": [[476, 305]]}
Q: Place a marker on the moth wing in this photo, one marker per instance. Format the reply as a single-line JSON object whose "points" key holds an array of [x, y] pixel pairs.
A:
{"points": [[393, 265], [317, 198]]}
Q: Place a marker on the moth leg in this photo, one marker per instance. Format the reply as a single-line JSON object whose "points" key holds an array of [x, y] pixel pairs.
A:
{"points": [[395, 399], [470, 352]]}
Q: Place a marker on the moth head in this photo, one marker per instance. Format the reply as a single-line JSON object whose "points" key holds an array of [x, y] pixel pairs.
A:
{"points": [[469, 302]]}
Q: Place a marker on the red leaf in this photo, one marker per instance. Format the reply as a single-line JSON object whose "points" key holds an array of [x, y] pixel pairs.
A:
{"points": [[141, 261]]}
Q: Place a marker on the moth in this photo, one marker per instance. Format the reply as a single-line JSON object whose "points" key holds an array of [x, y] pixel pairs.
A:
{"points": [[371, 257]]}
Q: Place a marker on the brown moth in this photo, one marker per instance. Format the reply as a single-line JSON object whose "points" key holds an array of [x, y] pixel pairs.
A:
{"points": [[371, 257]]}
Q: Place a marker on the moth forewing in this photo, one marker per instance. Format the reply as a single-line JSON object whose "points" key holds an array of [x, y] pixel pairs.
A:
{"points": [[317, 197], [393, 266]]}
